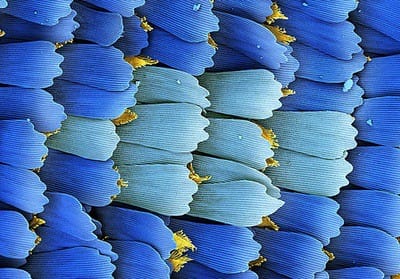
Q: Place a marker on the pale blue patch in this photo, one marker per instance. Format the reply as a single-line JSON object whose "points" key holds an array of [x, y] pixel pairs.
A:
{"points": [[248, 93], [227, 136], [324, 134], [240, 203], [348, 85], [309, 174], [167, 184], [85, 137], [176, 127], [165, 85]]}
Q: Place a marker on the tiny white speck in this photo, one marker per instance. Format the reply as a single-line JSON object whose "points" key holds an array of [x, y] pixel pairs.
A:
{"points": [[35, 12], [196, 7], [305, 4], [178, 81], [240, 137], [347, 85], [258, 46], [369, 122]]}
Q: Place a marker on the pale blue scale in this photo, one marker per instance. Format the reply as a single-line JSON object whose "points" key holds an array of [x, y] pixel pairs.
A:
{"points": [[165, 85], [222, 170], [324, 134], [237, 140], [162, 188], [176, 127], [248, 93], [136, 154], [88, 138], [240, 203], [309, 174]]}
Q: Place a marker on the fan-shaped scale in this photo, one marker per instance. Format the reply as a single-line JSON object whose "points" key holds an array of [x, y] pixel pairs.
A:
{"points": [[380, 16], [336, 39], [324, 134], [320, 67], [138, 260], [73, 221], [176, 127], [182, 18], [362, 246], [309, 214], [248, 93], [88, 138], [165, 85], [256, 10], [376, 42], [162, 188], [36, 105], [222, 170], [192, 58], [86, 101], [44, 12], [373, 168], [309, 174], [20, 29], [377, 209], [240, 203], [54, 239], [22, 189], [291, 254], [103, 28], [91, 182], [89, 64], [286, 72], [78, 262], [236, 140], [134, 38], [29, 64], [220, 247], [379, 77], [132, 225], [251, 39], [16, 237], [319, 96], [21, 146], [329, 11]]}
